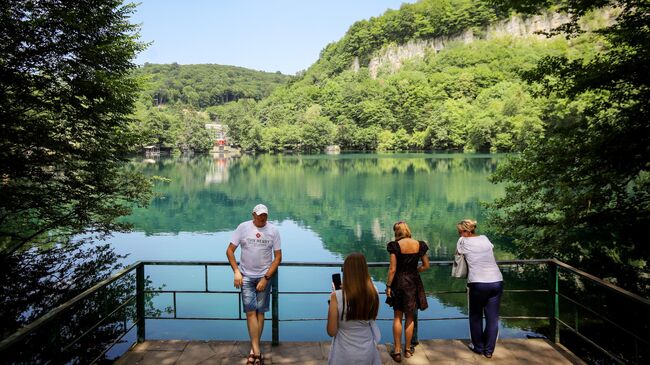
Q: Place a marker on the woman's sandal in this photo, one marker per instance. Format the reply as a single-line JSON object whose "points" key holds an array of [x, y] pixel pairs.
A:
{"points": [[251, 359], [255, 359], [397, 357], [408, 353]]}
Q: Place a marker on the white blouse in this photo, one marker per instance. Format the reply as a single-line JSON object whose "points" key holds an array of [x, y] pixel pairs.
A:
{"points": [[480, 259]]}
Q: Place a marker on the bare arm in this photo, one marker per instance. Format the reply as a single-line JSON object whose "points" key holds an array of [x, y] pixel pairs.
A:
{"points": [[277, 259], [333, 316], [230, 253], [391, 273], [425, 263]]}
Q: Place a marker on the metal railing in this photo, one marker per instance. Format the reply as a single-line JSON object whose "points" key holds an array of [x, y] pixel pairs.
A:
{"points": [[623, 304], [557, 274]]}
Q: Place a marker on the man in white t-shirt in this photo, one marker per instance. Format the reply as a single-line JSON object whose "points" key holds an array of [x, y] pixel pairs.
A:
{"points": [[261, 255]]}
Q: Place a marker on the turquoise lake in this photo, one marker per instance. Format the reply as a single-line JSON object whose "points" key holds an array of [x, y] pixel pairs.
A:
{"points": [[325, 207]]}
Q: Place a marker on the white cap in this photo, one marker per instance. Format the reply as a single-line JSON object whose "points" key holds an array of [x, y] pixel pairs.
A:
{"points": [[260, 209]]}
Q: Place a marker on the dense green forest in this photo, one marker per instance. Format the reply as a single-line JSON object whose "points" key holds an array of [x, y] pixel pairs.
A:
{"points": [[465, 96], [175, 100], [66, 104], [575, 106], [582, 192], [203, 86], [543, 96]]}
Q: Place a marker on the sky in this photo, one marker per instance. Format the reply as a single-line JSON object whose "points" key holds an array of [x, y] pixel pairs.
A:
{"points": [[265, 35]]}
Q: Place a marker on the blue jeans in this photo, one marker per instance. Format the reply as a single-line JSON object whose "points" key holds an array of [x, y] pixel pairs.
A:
{"points": [[484, 298], [252, 299]]}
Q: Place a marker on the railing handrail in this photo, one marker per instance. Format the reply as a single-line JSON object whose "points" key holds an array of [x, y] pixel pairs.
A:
{"points": [[49, 316], [139, 265], [601, 282], [329, 264], [46, 318]]}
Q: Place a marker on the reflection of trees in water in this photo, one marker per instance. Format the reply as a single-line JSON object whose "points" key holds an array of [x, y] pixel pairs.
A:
{"points": [[350, 201], [39, 280], [519, 304]]}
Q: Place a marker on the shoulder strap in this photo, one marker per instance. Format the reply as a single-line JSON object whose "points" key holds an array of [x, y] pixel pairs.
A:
{"points": [[343, 305]]}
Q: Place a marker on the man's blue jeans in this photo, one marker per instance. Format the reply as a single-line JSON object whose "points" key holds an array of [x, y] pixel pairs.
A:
{"points": [[252, 299]]}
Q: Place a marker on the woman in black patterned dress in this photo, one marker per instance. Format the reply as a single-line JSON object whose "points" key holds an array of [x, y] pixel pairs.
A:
{"points": [[404, 288]]}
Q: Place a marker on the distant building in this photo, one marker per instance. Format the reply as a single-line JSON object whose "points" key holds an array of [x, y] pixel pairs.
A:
{"points": [[156, 150], [153, 150], [219, 133]]}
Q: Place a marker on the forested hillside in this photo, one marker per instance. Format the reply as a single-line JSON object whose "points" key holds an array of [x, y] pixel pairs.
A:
{"points": [[202, 86], [175, 99], [465, 96]]}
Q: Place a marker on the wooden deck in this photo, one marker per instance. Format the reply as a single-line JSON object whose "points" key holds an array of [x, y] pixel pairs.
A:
{"points": [[444, 352]]}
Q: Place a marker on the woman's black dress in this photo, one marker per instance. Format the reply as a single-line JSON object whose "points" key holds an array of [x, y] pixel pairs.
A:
{"points": [[407, 288]]}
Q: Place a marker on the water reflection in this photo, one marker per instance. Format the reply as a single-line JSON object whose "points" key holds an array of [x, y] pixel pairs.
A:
{"points": [[325, 206], [218, 172], [349, 201]]}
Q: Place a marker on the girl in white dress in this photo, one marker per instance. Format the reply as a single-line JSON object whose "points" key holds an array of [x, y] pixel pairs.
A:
{"points": [[351, 316]]}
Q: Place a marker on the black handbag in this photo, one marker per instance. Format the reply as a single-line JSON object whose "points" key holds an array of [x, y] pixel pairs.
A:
{"points": [[389, 301], [394, 298]]}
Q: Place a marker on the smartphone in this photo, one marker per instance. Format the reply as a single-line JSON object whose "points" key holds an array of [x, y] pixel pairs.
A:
{"points": [[336, 279]]}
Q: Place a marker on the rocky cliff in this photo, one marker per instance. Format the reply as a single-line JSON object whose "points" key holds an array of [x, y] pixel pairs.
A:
{"points": [[391, 58]]}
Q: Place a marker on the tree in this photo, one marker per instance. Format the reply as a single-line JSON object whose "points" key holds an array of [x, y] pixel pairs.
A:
{"points": [[239, 117], [154, 127], [66, 99], [581, 193], [190, 133], [317, 131]]}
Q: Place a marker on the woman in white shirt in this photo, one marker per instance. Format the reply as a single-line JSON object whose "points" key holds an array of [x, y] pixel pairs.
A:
{"points": [[485, 287]]}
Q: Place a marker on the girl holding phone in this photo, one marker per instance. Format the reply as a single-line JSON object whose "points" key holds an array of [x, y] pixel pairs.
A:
{"points": [[352, 314]]}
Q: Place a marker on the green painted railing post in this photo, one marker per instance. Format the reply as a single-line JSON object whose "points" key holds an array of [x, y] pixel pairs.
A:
{"points": [[275, 312], [554, 310], [139, 301]]}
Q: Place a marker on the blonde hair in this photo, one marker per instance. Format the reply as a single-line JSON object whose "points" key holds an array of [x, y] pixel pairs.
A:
{"points": [[401, 230], [467, 225], [361, 298]]}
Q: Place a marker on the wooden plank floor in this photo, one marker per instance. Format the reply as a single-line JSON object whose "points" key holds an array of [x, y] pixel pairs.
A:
{"points": [[444, 352]]}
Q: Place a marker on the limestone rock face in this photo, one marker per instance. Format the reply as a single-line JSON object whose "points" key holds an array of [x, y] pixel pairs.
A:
{"points": [[391, 57], [394, 55], [520, 27]]}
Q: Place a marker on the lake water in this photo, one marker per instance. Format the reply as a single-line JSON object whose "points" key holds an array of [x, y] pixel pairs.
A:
{"points": [[325, 207]]}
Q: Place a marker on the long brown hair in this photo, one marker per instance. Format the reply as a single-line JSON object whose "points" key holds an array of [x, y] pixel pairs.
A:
{"points": [[361, 300]]}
